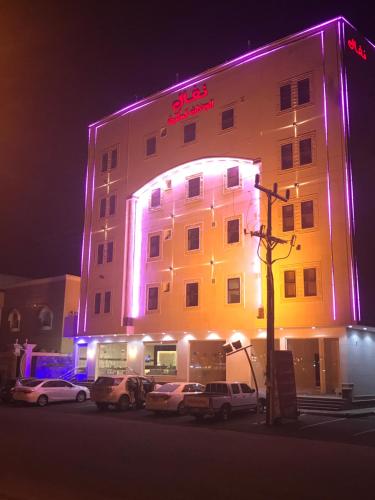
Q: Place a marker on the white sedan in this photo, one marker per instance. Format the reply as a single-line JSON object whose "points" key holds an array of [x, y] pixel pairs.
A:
{"points": [[45, 391], [170, 397]]}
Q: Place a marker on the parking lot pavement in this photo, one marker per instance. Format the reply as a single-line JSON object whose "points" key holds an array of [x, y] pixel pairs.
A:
{"points": [[359, 431]]}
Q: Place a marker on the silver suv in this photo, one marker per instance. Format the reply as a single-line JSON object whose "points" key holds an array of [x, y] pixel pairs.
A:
{"points": [[122, 391]]}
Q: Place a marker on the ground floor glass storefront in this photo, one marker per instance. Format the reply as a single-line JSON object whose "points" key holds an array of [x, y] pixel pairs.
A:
{"points": [[207, 361], [112, 358], [160, 358]]}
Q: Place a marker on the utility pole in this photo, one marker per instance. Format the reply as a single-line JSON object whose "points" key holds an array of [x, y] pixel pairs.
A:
{"points": [[270, 242]]}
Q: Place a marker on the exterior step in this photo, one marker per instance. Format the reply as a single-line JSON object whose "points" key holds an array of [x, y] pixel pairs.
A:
{"points": [[321, 403]]}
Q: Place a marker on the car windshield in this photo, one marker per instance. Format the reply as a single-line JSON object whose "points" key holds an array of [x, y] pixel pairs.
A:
{"points": [[32, 383], [108, 381], [167, 388]]}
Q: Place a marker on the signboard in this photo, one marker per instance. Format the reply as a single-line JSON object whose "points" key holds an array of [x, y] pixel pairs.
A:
{"points": [[183, 108], [285, 396]]}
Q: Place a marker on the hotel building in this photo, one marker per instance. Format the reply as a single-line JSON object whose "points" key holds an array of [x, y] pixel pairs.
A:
{"points": [[170, 271]]}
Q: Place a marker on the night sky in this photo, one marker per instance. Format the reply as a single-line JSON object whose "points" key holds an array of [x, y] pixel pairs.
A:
{"points": [[65, 64]]}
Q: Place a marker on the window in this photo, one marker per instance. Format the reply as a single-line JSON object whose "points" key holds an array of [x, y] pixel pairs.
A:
{"points": [[46, 318], [309, 282], [305, 151], [154, 246], [194, 187], [112, 204], [100, 259], [233, 231], [151, 146], [161, 359], [98, 298], [109, 160], [246, 389], [288, 218], [295, 93], [191, 294], [289, 284], [110, 251], [307, 214], [189, 132], [107, 302], [227, 119], [286, 156], [303, 91], [235, 388], [14, 320], [152, 298], [233, 177], [193, 242], [234, 291], [155, 198], [104, 162], [103, 207], [114, 158], [285, 97]]}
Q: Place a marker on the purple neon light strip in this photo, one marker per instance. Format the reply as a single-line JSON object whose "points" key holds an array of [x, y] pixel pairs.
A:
{"points": [[328, 180], [248, 57]]}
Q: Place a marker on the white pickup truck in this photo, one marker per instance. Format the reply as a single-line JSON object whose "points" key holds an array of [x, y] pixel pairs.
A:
{"points": [[223, 398]]}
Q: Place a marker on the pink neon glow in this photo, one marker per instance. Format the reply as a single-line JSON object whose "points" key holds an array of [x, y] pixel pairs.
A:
{"points": [[247, 57], [328, 181], [178, 174]]}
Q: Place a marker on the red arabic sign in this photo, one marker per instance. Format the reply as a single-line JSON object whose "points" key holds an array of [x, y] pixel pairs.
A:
{"points": [[181, 106], [352, 44]]}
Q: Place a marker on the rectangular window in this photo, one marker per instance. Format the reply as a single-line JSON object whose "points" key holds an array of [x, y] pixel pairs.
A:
{"points": [[288, 218], [161, 359], [112, 204], [193, 238], [227, 119], [103, 207], [194, 187], [286, 156], [305, 151], [104, 162], [151, 146], [233, 177], [153, 298], [191, 294], [303, 91], [107, 302], [114, 158], [98, 298], [285, 97], [233, 231], [100, 253], [155, 198], [110, 251], [289, 284], [154, 246], [307, 214], [234, 290], [189, 132], [309, 282]]}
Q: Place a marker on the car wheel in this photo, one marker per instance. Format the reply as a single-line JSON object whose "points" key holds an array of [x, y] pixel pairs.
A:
{"points": [[181, 409], [225, 413], [42, 400], [261, 405], [81, 397], [102, 406], [123, 403]]}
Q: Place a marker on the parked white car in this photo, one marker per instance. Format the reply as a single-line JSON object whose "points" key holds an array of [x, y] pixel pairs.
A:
{"points": [[42, 392], [170, 397]]}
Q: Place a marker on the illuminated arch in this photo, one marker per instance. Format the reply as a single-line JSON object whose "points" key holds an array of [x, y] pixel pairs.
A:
{"points": [[14, 320]]}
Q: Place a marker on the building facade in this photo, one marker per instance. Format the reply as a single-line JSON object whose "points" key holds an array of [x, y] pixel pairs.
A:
{"points": [[170, 271]]}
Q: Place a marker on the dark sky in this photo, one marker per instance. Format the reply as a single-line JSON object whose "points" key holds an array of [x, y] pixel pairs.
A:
{"points": [[65, 64]]}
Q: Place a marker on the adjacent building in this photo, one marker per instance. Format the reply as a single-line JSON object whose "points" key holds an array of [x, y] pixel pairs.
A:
{"points": [[170, 271]]}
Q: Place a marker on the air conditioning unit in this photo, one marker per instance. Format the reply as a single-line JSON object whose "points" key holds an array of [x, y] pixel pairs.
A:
{"points": [[166, 286], [168, 234], [168, 184]]}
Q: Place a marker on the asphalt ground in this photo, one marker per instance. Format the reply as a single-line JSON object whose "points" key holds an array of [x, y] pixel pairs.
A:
{"points": [[72, 451]]}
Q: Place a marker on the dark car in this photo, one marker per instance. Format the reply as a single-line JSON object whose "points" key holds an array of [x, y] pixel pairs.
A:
{"points": [[7, 389]]}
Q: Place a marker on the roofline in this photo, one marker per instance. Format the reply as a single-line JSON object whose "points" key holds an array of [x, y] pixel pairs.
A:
{"points": [[42, 281], [244, 58]]}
